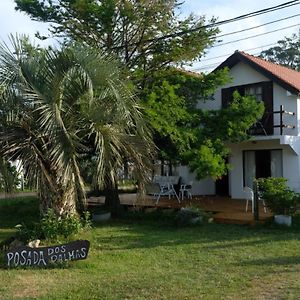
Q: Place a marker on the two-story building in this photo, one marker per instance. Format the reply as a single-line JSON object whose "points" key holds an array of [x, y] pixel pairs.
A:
{"points": [[274, 149]]}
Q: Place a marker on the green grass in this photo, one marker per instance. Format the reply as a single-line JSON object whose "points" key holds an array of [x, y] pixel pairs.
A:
{"points": [[151, 259]]}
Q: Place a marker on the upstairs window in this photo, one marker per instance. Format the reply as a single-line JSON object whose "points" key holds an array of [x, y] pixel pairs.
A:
{"points": [[256, 91], [262, 91]]}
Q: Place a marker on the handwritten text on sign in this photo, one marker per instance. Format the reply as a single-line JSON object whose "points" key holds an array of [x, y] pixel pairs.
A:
{"points": [[43, 256]]}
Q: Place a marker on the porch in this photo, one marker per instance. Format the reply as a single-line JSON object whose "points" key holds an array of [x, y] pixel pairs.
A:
{"points": [[223, 209]]}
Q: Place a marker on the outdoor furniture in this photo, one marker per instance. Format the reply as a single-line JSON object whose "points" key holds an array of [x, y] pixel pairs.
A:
{"points": [[167, 190], [250, 198], [186, 189], [163, 186], [153, 189]]}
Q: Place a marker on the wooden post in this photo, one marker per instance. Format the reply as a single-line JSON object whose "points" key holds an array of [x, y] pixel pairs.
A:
{"points": [[255, 202], [281, 119]]}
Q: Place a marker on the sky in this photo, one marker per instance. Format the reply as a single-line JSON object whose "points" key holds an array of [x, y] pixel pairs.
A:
{"points": [[17, 22]]}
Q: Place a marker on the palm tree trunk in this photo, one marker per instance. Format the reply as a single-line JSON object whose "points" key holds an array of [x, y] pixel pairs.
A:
{"points": [[62, 202], [112, 200]]}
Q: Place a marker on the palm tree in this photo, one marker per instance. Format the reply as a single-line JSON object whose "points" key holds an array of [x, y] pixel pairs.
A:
{"points": [[56, 106]]}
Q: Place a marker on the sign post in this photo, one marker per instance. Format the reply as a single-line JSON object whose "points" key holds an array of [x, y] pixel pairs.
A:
{"points": [[44, 256]]}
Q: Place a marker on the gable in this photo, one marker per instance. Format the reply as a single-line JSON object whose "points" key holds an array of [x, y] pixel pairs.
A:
{"points": [[287, 78]]}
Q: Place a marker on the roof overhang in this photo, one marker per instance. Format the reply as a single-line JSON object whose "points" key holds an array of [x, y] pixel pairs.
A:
{"points": [[237, 57]]}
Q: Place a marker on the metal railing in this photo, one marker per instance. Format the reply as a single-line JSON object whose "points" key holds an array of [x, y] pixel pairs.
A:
{"points": [[281, 113], [263, 128]]}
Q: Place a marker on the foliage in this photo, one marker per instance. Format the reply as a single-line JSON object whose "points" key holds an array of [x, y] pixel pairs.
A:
{"points": [[52, 227], [190, 216], [9, 176], [134, 31], [287, 53], [59, 105], [209, 160], [171, 99], [185, 133], [278, 196], [130, 29], [207, 154]]}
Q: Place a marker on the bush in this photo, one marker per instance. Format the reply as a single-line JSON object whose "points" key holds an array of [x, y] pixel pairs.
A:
{"points": [[53, 227], [190, 216], [278, 196]]}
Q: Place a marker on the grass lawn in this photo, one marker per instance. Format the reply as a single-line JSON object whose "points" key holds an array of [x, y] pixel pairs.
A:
{"points": [[152, 259]]}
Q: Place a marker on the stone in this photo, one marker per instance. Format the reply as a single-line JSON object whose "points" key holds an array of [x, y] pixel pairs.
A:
{"points": [[16, 244], [34, 243]]}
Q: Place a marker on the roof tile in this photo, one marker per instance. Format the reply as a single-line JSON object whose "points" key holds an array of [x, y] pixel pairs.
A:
{"points": [[289, 76]]}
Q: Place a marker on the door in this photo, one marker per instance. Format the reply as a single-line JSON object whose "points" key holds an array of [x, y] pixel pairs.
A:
{"points": [[222, 184], [261, 164]]}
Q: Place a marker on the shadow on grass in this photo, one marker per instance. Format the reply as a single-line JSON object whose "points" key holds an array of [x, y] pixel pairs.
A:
{"points": [[207, 237], [278, 261], [17, 211], [140, 230]]}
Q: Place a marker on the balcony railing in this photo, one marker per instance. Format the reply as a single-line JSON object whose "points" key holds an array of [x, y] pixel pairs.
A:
{"points": [[266, 125]]}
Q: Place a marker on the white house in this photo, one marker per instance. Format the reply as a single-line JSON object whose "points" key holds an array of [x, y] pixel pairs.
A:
{"points": [[274, 149]]}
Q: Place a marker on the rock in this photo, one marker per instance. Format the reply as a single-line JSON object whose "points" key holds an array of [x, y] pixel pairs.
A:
{"points": [[16, 244], [34, 243], [187, 216]]}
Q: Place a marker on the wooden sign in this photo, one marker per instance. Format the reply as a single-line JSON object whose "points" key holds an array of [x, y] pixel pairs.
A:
{"points": [[44, 256]]}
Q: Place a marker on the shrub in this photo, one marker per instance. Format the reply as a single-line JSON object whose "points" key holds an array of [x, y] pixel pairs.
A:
{"points": [[53, 227], [190, 216], [278, 196]]}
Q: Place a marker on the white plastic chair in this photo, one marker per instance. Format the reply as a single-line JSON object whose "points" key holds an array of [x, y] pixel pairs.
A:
{"points": [[250, 197], [186, 189], [167, 190], [157, 190]]}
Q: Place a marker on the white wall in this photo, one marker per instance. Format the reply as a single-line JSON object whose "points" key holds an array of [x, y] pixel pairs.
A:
{"points": [[290, 163], [242, 74], [290, 103], [199, 187]]}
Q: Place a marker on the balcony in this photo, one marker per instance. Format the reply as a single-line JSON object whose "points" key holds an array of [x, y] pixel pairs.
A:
{"points": [[266, 125]]}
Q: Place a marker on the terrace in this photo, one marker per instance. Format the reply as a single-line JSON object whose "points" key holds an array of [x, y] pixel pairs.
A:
{"points": [[222, 209]]}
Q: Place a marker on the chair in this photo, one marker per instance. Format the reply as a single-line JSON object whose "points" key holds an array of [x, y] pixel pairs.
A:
{"points": [[250, 197], [186, 189], [167, 189], [157, 190]]}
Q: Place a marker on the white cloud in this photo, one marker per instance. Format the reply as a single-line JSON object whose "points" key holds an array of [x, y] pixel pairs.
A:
{"points": [[12, 22]]}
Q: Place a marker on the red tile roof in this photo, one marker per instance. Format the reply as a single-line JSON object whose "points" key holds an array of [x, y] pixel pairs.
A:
{"points": [[286, 77]]}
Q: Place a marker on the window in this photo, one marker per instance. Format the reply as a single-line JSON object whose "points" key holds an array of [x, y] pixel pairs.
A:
{"points": [[255, 91], [262, 91]]}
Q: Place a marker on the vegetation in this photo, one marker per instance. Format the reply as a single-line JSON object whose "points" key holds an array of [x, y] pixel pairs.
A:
{"points": [[58, 107], [287, 53], [129, 29], [152, 40], [211, 261], [9, 177], [278, 196]]}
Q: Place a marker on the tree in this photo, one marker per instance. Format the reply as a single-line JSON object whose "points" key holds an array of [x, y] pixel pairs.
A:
{"points": [[131, 29], [287, 53], [189, 135], [152, 40], [56, 106], [9, 177]]}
